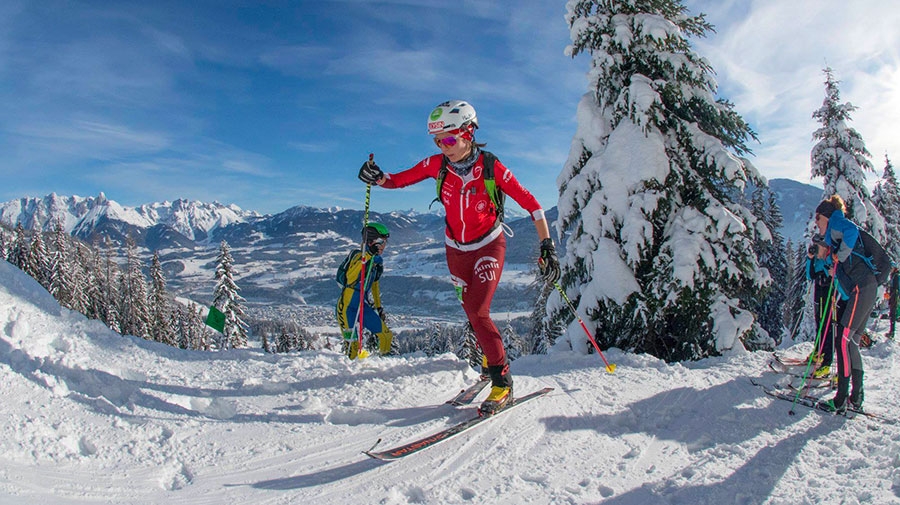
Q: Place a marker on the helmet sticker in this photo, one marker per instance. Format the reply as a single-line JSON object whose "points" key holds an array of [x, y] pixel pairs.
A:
{"points": [[451, 115]]}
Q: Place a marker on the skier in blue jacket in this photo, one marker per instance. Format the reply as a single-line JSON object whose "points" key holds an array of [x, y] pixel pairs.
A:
{"points": [[855, 282]]}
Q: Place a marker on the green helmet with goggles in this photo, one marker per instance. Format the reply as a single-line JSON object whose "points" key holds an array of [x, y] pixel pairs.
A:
{"points": [[452, 116], [375, 231]]}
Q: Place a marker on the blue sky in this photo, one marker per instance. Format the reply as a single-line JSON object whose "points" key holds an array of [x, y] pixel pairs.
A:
{"points": [[276, 104]]}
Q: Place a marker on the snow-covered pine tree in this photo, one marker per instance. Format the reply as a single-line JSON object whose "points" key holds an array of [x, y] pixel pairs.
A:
{"points": [[18, 253], [159, 305], [38, 260], [61, 272], [285, 341], [191, 331], [452, 339], [4, 241], [436, 340], [227, 300], [886, 197], [796, 290], [841, 158], [512, 342], [768, 303], [84, 284], [542, 335], [657, 253], [107, 274], [133, 309], [806, 328], [443, 339], [470, 350]]}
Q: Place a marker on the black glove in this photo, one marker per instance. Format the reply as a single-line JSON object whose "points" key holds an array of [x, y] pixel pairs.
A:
{"points": [[549, 262], [369, 173], [381, 313]]}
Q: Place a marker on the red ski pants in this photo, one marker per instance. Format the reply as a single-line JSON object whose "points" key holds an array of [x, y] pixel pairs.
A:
{"points": [[478, 274]]}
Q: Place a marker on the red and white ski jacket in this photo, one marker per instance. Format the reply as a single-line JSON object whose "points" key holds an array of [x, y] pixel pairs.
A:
{"points": [[471, 215]]}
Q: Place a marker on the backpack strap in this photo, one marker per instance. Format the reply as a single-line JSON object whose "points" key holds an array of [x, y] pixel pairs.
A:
{"points": [[868, 260], [490, 182], [439, 181]]}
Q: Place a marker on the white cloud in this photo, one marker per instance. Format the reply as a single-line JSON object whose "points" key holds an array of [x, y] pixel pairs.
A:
{"points": [[769, 57], [92, 139]]}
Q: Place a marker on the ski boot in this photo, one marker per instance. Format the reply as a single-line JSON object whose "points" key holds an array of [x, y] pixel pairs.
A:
{"points": [[501, 391], [831, 406], [822, 372], [838, 404], [356, 352], [856, 394]]}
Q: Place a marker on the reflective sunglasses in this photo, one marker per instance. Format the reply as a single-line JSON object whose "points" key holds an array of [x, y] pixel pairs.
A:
{"points": [[379, 241], [446, 141]]}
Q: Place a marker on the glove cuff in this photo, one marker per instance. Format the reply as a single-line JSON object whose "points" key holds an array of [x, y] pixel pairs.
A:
{"points": [[547, 243]]}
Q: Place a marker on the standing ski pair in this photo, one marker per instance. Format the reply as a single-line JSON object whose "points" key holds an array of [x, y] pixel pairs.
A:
{"points": [[471, 184]]}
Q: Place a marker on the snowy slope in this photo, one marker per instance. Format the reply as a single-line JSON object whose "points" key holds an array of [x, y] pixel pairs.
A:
{"points": [[92, 417]]}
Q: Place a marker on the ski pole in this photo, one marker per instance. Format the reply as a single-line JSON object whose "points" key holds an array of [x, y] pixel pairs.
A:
{"points": [[609, 367], [828, 313], [362, 265], [809, 363]]}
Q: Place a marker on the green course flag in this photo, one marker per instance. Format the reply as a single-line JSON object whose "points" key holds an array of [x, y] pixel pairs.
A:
{"points": [[216, 319]]}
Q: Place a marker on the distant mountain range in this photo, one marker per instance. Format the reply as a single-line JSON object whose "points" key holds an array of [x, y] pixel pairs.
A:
{"points": [[284, 259], [289, 259], [797, 202]]}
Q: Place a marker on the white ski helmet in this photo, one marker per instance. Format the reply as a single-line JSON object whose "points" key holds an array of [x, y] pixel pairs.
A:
{"points": [[451, 115]]}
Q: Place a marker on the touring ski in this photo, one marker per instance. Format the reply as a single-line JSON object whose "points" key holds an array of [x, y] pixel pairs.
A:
{"points": [[810, 384], [822, 382], [786, 361], [468, 395], [425, 442], [815, 403]]}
